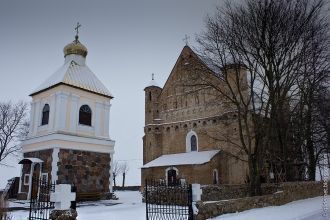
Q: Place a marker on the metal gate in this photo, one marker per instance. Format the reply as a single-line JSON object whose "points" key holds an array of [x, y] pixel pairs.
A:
{"points": [[168, 201], [40, 205]]}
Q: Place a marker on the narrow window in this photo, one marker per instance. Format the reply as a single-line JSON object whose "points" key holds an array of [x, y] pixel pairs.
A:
{"points": [[26, 179], [45, 115], [193, 143], [215, 176], [85, 115]]}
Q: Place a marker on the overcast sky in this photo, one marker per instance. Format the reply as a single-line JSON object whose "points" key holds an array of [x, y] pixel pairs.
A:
{"points": [[127, 41]]}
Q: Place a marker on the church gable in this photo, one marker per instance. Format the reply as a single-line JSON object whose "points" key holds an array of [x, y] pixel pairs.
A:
{"points": [[184, 96]]}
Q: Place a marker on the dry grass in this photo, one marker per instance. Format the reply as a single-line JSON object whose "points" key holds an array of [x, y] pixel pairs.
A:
{"points": [[3, 209]]}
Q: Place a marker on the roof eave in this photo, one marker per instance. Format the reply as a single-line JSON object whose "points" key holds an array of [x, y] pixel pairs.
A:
{"points": [[76, 87]]}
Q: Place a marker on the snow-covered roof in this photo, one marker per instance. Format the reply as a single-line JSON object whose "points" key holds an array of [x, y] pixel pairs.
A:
{"points": [[73, 74], [194, 157], [29, 160], [153, 83]]}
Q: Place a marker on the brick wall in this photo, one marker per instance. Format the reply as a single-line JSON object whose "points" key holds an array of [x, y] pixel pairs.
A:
{"points": [[175, 110]]}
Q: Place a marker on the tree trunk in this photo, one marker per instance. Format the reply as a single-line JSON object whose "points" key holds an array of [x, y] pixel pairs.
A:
{"points": [[309, 144], [123, 180], [311, 163], [254, 170], [114, 180]]}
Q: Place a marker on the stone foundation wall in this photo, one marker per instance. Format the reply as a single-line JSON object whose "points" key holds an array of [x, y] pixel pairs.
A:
{"points": [[89, 171], [289, 192]]}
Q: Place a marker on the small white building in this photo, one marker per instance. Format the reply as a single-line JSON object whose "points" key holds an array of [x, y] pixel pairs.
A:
{"points": [[68, 140]]}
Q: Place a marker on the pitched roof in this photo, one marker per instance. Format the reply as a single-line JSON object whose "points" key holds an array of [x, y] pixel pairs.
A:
{"points": [[75, 75], [189, 158]]}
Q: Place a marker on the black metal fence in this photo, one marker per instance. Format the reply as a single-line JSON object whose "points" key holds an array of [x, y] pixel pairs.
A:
{"points": [[165, 201], [40, 205]]}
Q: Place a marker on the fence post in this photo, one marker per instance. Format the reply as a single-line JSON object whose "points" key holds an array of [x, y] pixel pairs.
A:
{"points": [[146, 196], [31, 200], [196, 192]]}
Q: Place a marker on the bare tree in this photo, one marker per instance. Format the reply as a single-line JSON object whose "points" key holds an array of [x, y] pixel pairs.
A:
{"points": [[273, 40], [124, 169], [12, 120], [115, 171]]}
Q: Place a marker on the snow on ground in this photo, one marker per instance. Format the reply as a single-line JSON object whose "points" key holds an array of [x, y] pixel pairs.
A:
{"points": [[308, 209], [131, 207]]}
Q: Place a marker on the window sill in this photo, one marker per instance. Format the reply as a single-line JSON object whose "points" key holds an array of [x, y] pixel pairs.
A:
{"points": [[85, 128], [43, 127]]}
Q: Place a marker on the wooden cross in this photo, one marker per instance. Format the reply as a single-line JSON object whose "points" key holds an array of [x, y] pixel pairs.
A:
{"points": [[185, 39], [77, 28], [153, 76]]}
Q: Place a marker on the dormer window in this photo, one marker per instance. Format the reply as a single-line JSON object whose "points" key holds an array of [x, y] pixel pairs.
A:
{"points": [[85, 115], [45, 115]]}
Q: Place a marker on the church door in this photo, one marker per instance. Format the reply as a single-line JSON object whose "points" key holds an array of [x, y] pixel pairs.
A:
{"points": [[171, 177]]}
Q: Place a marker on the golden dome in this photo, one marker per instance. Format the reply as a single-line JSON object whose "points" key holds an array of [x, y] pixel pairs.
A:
{"points": [[75, 48]]}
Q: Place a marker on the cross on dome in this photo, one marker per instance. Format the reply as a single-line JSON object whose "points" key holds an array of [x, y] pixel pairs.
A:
{"points": [[77, 30], [75, 47]]}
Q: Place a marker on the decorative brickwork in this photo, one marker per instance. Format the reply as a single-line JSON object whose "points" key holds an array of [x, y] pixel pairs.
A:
{"points": [[176, 109], [89, 171]]}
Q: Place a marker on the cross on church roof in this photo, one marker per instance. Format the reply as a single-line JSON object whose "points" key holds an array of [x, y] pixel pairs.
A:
{"points": [[185, 39], [77, 30]]}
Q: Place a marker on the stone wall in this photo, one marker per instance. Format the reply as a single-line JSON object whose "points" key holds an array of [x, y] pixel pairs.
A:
{"points": [[89, 171], [288, 192], [220, 192]]}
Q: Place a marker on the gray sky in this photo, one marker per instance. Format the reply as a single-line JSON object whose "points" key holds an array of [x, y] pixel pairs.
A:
{"points": [[127, 41]]}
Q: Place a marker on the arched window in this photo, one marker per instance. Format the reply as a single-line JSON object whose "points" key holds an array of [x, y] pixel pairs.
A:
{"points": [[193, 143], [215, 176], [45, 115], [172, 176], [85, 115]]}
